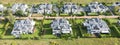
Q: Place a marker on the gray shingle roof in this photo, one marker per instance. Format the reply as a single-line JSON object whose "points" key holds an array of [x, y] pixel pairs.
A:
{"points": [[23, 26], [97, 7], [96, 25], [61, 26], [44, 8], [68, 7], [19, 6]]}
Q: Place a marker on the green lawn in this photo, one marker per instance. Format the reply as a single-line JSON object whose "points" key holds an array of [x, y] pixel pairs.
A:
{"points": [[112, 23], [27, 1], [80, 41], [1, 26], [49, 1]]}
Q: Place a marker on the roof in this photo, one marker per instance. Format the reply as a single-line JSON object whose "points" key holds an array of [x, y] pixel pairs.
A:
{"points": [[23, 26], [44, 8], [97, 7], [61, 25], [116, 4], [71, 7], [2, 7], [19, 6], [96, 25]]}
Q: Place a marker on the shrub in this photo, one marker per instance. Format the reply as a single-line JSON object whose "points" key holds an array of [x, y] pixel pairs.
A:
{"points": [[1, 36], [36, 38], [66, 36], [13, 43], [19, 13]]}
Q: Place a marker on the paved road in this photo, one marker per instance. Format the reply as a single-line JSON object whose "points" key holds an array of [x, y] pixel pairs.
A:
{"points": [[68, 17]]}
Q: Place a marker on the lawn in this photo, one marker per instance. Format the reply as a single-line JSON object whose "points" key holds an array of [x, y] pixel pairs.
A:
{"points": [[49, 1], [80, 41], [27, 1], [1, 26], [38, 27], [47, 23], [47, 30], [114, 30], [76, 24]]}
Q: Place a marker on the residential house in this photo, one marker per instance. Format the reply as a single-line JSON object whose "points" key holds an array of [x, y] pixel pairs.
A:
{"points": [[116, 4], [118, 22], [71, 8], [97, 7], [19, 6], [61, 26], [2, 8], [119, 10], [44, 8], [96, 25], [33, 9], [23, 27]]}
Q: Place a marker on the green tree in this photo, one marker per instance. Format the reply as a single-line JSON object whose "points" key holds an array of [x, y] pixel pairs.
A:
{"points": [[10, 18], [19, 13], [6, 12], [60, 5], [9, 5], [13, 43], [66, 36], [27, 36]]}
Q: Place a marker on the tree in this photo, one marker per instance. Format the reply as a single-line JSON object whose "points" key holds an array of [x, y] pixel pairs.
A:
{"points": [[6, 12], [59, 5], [10, 18], [13, 43], [9, 5], [19, 13], [66, 36], [26, 36]]}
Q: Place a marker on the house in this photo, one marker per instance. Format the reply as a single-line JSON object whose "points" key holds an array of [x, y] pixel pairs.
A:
{"points": [[116, 4], [119, 10], [71, 8], [97, 7], [2, 8], [23, 27], [19, 6], [33, 9], [96, 25], [61, 26], [44, 8], [55, 8], [118, 22]]}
